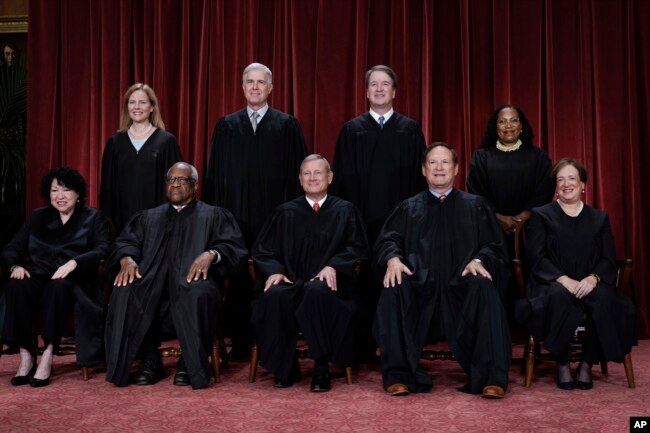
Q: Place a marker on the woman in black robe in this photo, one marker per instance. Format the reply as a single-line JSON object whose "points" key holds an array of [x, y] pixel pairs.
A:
{"points": [[509, 171], [573, 276], [137, 158], [52, 262]]}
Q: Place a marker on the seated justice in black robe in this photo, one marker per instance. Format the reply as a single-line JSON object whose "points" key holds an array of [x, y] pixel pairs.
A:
{"points": [[170, 256], [572, 278], [443, 263], [52, 263], [306, 255]]}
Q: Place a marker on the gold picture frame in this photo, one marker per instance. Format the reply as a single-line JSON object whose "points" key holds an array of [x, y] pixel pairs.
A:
{"points": [[13, 24]]}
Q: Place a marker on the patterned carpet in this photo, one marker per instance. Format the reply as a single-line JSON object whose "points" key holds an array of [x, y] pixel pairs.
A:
{"points": [[70, 404]]}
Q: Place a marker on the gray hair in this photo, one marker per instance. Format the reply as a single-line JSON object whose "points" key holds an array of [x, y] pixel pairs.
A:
{"points": [[258, 67], [184, 165], [316, 157]]}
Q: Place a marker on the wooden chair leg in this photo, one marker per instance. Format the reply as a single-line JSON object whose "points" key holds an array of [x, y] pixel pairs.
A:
{"points": [[529, 358], [84, 373], [252, 370], [603, 367], [216, 368], [629, 371], [348, 375]]}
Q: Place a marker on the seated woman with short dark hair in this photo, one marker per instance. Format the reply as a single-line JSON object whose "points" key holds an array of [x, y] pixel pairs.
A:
{"points": [[52, 263], [573, 278]]}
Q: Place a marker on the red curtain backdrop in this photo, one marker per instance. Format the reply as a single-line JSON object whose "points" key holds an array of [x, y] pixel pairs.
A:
{"points": [[580, 69]]}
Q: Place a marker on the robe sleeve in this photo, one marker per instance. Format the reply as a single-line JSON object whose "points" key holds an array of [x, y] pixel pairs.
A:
{"points": [[541, 265], [345, 184], [390, 242], [268, 242], [128, 243], [477, 178], [88, 261], [297, 153], [15, 252], [544, 185], [355, 249], [606, 266], [105, 192], [212, 190], [228, 240]]}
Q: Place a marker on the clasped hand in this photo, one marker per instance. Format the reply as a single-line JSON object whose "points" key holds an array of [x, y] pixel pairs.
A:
{"points": [[581, 288]]}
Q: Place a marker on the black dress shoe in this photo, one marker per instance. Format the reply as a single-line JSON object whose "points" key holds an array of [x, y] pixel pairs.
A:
{"points": [[320, 381], [182, 377], [282, 383], [294, 376], [38, 383], [24, 380], [580, 384], [150, 372]]}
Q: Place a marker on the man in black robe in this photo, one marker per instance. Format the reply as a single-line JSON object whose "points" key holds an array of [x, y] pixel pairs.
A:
{"points": [[306, 255], [443, 262], [377, 164], [171, 256], [255, 155]]}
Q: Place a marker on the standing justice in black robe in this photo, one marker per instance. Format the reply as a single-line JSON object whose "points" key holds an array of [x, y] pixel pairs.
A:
{"points": [[250, 174], [134, 180], [376, 168], [436, 241], [511, 181], [49, 244], [559, 244], [164, 243], [298, 243]]}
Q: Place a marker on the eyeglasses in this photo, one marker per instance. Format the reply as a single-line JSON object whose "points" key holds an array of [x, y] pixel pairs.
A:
{"points": [[183, 180], [513, 121]]}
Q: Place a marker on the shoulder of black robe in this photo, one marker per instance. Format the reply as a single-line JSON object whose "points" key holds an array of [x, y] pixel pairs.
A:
{"points": [[297, 242], [511, 181], [471, 225], [209, 227], [546, 224], [124, 192]]}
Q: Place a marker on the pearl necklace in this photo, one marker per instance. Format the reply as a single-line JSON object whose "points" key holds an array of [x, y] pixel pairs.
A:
{"points": [[504, 148], [140, 134]]}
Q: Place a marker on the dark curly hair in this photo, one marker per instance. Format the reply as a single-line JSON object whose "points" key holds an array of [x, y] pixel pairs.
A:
{"points": [[490, 138], [68, 177]]}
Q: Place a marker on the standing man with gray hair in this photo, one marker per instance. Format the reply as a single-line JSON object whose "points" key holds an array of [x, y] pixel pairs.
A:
{"points": [[255, 155]]}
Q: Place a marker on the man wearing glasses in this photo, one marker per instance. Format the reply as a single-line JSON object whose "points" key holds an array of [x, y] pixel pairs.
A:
{"points": [[168, 259]]}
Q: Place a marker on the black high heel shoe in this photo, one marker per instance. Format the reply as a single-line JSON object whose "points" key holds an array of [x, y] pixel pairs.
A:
{"points": [[584, 385], [37, 383], [567, 386], [24, 380]]}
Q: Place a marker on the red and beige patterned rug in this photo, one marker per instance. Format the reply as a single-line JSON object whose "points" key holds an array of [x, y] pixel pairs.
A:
{"points": [[234, 405]]}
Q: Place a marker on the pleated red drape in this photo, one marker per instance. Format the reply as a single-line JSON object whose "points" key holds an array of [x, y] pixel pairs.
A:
{"points": [[580, 69]]}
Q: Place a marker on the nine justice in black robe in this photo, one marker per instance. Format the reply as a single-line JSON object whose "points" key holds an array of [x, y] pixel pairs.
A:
{"points": [[134, 180], [557, 245], [376, 168], [436, 241], [298, 243], [164, 243], [49, 244]]}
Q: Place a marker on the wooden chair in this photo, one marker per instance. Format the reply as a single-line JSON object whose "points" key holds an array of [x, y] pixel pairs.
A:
{"points": [[302, 350], [532, 350]]}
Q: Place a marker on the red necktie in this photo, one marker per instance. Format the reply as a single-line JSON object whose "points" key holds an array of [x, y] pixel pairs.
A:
{"points": [[316, 206], [442, 198]]}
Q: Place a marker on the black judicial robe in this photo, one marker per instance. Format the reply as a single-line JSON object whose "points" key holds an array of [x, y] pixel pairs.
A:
{"points": [[298, 243], [436, 241], [511, 181], [251, 173], [132, 180], [376, 168], [164, 243], [49, 244], [557, 245]]}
